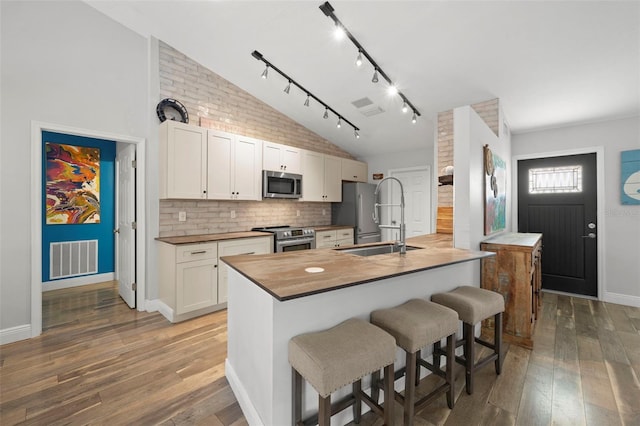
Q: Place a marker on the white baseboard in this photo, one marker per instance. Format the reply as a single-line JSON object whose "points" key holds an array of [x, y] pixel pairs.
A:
{"points": [[14, 334], [621, 299], [248, 410], [78, 281], [157, 305]]}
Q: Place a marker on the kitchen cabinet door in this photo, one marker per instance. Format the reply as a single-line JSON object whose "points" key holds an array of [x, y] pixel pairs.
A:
{"points": [[326, 239], [196, 285], [219, 160], [234, 165], [183, 161], [281, 158], [344, 237], [354, 171], [313, 176], [247, 169], [332, 178]]}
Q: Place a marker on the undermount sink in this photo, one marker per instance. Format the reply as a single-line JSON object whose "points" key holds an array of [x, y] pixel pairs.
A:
{"points": [[374, 250]]}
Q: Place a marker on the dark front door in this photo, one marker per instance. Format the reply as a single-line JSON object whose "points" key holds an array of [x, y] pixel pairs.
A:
{"points": [[557, 197]]}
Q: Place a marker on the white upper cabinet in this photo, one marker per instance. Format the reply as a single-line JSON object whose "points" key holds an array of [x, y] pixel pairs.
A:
{"points": [[234, 167], [281, 158], [321, 177], [183, 161], [354, 171]]}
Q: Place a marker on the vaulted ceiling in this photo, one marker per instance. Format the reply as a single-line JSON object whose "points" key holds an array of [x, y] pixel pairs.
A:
{"points": [[551, 63]]}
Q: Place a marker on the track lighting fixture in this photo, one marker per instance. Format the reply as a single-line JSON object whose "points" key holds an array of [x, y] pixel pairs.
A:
{"points": [[265, 73], [414, 118], [328, 10], [404, 107], [375, 76], [310, 95], [392, 90], [339, 32], [356, 134]]}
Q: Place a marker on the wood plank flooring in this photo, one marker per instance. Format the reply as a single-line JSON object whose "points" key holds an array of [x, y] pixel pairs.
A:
{"points": [[98, 362]]}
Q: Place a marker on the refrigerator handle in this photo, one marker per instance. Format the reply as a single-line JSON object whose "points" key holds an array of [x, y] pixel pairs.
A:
{"points": [[360, 213]]}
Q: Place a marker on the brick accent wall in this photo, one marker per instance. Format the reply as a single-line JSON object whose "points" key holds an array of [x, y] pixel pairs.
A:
{"points": [[224, 106], [489, 111]]}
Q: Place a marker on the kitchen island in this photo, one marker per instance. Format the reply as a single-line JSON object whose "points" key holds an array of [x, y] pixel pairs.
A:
{"points": [[275, 297]]}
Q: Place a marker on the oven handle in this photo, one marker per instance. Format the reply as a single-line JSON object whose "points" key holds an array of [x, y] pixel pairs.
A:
{"points": [[286, 243]]}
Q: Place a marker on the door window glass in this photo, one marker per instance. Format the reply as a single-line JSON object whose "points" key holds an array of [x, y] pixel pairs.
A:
{"points": [[555, 180]]}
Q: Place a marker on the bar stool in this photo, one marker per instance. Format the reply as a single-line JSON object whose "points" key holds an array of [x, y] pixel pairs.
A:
{"points": [[416, 324], [473, 305], [336, 357]]}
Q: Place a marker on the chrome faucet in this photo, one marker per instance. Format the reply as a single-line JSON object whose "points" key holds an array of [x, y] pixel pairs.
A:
{"points": [[400, 244]]}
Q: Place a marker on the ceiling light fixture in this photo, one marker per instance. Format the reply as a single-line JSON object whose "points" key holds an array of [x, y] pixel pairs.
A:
{"points": [[392, 90], [328, 10], [359, 58], [339, 32], [339, 122], [414, 118], [310, 95], [265, 73], [404, 107], [357, 135]]}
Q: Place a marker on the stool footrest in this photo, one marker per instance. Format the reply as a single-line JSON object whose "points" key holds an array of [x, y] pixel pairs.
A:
{"points": [[336, 407], [435, 370]]}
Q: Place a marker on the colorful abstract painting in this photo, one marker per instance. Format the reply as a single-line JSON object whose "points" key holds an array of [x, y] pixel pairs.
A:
{"points": [[73, 184], [630, 179], [495, 195]]}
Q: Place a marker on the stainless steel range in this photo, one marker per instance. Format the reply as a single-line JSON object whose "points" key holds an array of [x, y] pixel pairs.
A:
{"points": [[290, 238]]}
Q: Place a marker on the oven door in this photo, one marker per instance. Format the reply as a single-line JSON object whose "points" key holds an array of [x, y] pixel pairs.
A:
{"points": [[295, 244]]}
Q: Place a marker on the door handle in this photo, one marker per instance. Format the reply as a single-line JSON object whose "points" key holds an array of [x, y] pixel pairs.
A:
{"points": [[589, 235], [116, 231]]}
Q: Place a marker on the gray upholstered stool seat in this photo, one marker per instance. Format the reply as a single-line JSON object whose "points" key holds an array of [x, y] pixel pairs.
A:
{"points": [[339, 356], [416, 324], [473, 305]]}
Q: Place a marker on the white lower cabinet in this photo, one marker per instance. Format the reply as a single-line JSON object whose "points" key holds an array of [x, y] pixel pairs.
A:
{"points": [[334, 238], [193, 279], [259, 245]]}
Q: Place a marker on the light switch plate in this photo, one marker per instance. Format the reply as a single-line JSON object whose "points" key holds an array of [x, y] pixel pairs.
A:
{"points": [[182, 216]]}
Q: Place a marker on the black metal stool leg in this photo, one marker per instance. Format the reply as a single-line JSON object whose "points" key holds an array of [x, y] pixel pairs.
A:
{"points": [[451, 353]]}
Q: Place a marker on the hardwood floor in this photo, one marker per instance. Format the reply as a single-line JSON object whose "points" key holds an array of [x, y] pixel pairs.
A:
{"points": [[98, 362]]}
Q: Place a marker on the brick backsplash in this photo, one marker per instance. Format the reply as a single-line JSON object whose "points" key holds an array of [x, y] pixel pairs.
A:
{"points": [[489, 111], [214, 102], [213, 217]]}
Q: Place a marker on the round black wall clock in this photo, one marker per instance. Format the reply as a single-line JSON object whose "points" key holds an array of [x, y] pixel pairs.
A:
{"points": [[171, 109]]}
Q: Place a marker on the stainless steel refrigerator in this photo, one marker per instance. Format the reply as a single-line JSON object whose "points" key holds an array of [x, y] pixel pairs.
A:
{"points": [[356, 209]]}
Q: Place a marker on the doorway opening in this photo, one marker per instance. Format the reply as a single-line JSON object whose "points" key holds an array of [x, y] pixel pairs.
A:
{"points": [[559, 196], [137, 146], [416, 182]]}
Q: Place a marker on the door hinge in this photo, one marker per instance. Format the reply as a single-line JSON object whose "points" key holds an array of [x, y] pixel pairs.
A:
{"points": [[134, 286], [134, 163], [134, 225]]}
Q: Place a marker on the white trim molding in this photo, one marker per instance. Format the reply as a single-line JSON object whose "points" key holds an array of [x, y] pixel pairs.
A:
{"points": [[599, 151], [14, 334], [621, 299], [78, 281], [37, 128]]}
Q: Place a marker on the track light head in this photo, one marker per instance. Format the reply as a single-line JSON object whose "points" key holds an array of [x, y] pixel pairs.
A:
{"points": [[359, 59], [375, 76], [356, 134], [339, 122], [414, 118], [306, 102], [326, 113], [288, 88], [339, 32], [392, 90], [265, 73], [405, 108]]}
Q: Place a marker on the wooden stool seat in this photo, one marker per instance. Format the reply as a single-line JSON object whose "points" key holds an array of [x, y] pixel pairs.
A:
{"points": [[473, 305], [331, 359], [416, 324]]}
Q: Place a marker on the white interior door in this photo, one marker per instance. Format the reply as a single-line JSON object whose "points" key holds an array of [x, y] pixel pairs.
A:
{"points": [[416, 183], [126, 216]]}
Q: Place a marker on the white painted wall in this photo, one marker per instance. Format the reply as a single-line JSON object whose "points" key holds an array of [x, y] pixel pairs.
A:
{"points": [[621, 229], [470, 135], [67, 64]]}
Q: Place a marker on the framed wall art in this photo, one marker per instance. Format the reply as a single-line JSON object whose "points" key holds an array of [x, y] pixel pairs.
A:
{"points": [[630, 177], [495, 192], [72, 184]]}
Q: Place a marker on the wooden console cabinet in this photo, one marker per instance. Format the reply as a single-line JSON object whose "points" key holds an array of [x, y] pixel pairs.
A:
{"points": [[515, 272]]}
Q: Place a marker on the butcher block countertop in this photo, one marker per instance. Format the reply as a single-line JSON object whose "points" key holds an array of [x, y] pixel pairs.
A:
{"points": [[207, 238], [285, 276], [331, 227]]}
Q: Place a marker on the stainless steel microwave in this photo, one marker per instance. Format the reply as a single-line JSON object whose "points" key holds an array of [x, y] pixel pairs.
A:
{"points": [[281, 185]]}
